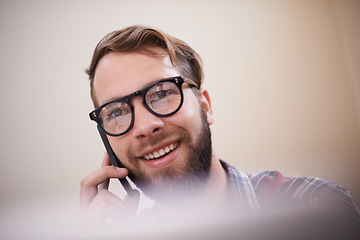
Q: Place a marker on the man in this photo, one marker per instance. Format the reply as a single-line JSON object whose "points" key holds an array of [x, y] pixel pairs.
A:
{"points": [[152, 109]]}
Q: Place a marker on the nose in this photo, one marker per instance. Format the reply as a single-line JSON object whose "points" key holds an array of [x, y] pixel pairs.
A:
{"points": [[146, 124]]}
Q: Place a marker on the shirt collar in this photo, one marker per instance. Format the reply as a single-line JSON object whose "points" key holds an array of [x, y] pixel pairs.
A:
{"points": [[242, 189]]}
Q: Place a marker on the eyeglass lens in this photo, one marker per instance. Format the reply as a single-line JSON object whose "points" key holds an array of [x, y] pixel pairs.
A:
{"points": [[162, 99]]}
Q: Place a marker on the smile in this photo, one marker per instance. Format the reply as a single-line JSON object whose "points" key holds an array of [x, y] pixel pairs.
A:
{"points": [[161, 152]]}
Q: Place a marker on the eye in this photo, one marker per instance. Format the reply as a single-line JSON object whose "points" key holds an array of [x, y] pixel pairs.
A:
{"points": [[160, 91], [116, 113], [160, 95], [115, 110], [163, 93]]}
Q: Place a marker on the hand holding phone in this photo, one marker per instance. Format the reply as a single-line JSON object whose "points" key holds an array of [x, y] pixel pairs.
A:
{"points": [[98, 204]]}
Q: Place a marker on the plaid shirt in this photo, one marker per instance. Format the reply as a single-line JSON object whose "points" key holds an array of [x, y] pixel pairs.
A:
{"points": [[267, 189]]}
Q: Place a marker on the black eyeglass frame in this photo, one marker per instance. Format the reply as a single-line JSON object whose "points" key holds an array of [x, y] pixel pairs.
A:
{"points": [[178, 80]]}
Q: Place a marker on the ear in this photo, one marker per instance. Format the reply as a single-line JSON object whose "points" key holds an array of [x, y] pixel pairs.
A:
{"points": [[206, 103]]}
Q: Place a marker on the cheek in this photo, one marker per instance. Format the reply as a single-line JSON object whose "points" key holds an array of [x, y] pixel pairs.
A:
{"points": [[189, 114], [120, 147]]}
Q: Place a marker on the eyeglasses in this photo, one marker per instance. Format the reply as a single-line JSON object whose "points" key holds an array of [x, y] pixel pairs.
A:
{"points": [[162, 98]]}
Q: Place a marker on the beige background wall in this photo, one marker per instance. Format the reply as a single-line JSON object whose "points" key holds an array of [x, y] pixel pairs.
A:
{"points": [[283, 77]]}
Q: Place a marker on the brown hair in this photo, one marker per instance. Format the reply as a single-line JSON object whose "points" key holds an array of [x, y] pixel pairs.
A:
{"points": [[148, 41]]}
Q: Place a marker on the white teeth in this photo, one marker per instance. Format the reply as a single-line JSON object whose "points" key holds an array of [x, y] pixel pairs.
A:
{"points": [[161, 152]]}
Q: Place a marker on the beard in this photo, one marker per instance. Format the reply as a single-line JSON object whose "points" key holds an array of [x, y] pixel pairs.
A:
{"points": [[184, 178]]}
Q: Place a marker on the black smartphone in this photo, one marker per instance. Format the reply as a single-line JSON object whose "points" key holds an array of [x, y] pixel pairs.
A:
{"points": [[115, 161]]}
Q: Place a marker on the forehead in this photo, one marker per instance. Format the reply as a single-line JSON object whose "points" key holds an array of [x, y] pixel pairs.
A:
{"points": [[119, 74]]}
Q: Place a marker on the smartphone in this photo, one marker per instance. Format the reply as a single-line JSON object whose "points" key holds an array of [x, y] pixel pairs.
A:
{"points": [[115, 161]]}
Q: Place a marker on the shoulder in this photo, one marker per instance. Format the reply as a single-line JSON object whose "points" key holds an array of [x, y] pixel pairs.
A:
{"points": [[274, 183], [275, 190]]}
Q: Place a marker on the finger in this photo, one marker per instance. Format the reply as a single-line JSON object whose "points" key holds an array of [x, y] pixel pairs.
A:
{"points": [[90, 183], [108, 205], [105, 162], [104, 205]]}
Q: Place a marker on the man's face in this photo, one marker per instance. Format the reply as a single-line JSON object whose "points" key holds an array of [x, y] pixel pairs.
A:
{"points": [[180, 144]]}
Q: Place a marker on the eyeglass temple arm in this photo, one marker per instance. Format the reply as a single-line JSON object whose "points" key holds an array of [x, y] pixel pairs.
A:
{"points": [[115, 162], [191, 82]]}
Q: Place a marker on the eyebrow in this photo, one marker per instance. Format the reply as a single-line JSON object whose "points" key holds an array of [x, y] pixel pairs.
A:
{"points": [[139, 90], [185, 79]]}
